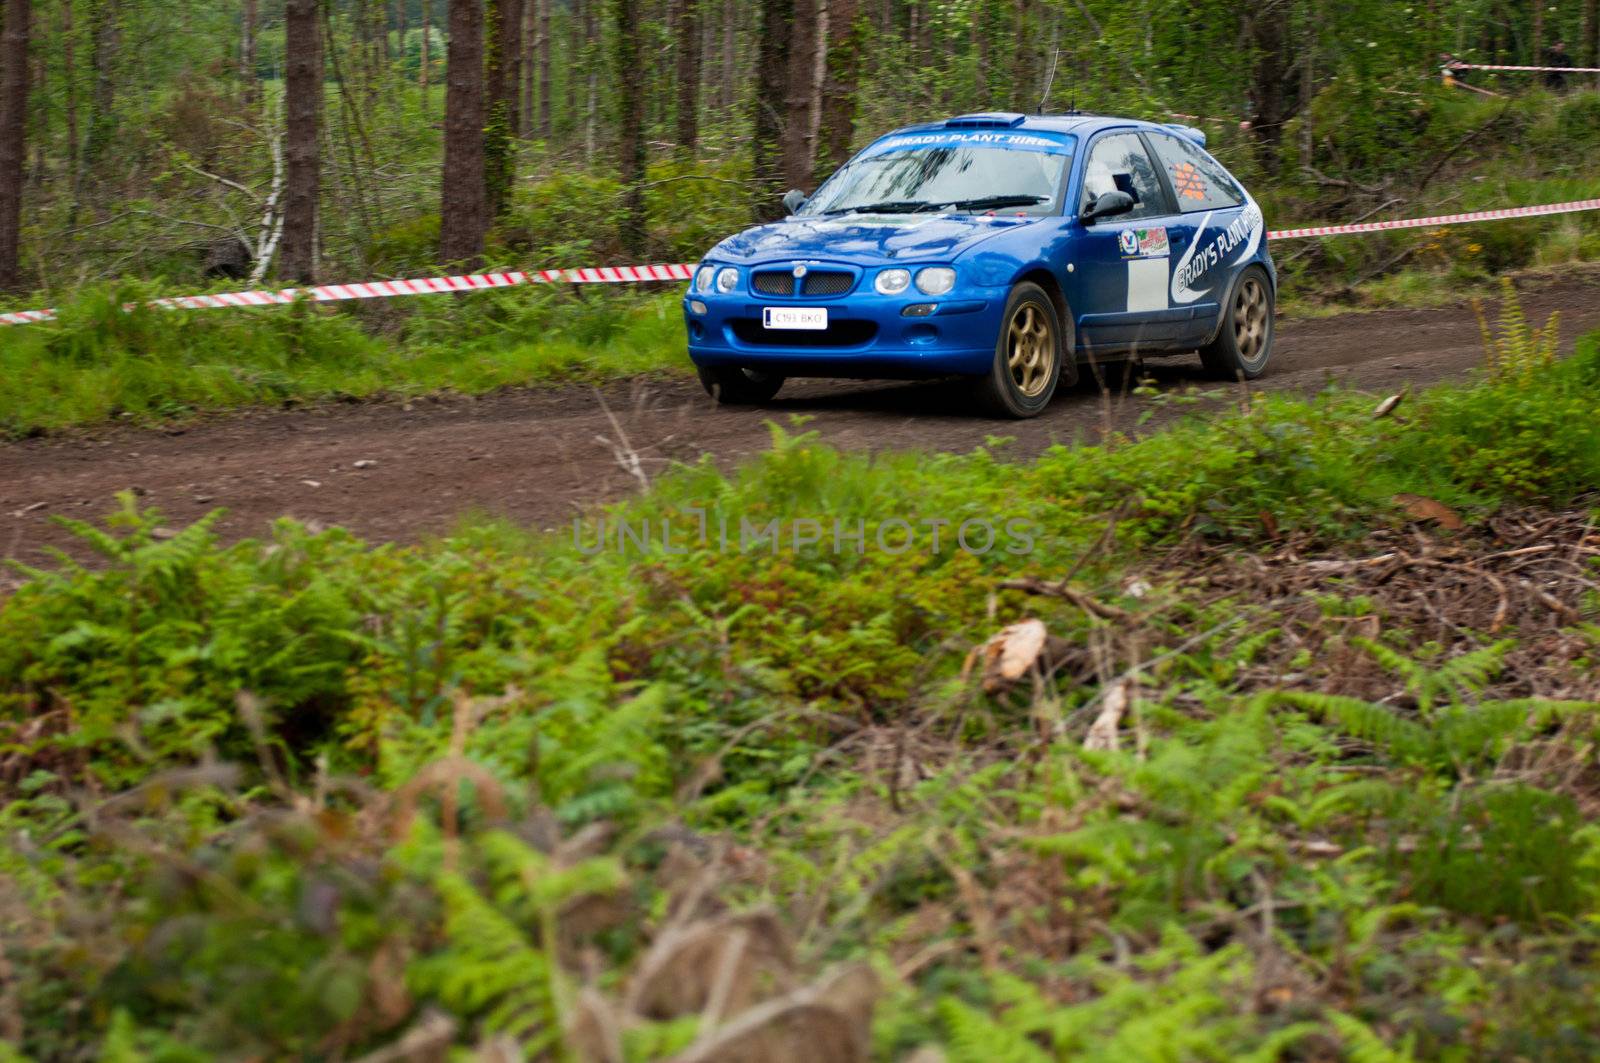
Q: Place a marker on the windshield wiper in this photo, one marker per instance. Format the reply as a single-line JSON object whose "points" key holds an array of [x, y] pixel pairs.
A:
{"points": [[915, 206], [998, 202], [892, 206]]}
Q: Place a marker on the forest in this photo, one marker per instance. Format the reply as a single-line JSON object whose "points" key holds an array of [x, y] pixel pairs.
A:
{"points": [[341, 721], [349, 139]]}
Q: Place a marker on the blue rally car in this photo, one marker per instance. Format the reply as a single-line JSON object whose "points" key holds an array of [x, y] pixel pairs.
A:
{"points": [[1006, 248]]}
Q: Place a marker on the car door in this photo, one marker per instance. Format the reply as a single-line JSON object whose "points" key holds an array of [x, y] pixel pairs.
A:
{"points": [[1120, 268], [1223, 229]]}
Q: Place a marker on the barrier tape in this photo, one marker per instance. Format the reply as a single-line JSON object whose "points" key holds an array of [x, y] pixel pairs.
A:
{"points": [[1534, 69], [333, 293], [1443, 219]]}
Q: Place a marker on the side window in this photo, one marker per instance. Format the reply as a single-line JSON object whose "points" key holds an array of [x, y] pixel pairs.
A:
{"points": [[1199, 180], [1119, 163]]}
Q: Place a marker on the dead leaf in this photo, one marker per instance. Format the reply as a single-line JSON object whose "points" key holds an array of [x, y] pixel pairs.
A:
{"points": [[1103, 732], [1388, 406], [1420, 508], [1010, 653]]}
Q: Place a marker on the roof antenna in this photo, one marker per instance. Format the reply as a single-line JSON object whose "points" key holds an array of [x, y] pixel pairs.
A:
{"points": [[1049, 81]]}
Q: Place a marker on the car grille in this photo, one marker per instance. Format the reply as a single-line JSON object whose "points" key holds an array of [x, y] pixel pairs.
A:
{"points": [[827, 283], [818, 283], [850, 333], [774, 283]]}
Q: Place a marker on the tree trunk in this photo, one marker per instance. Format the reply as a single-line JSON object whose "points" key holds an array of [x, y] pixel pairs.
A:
{"points": [[500, 75], [427, 51], [630, 74], [980, 54], [463, 219], [1269, 31], [13, 137], [1591, 33], [544, 70], [527, 78], [727, 91], [1536, 45], [104, 39], [798, 96], [69, 59], [687, 33], [767, 123], [819, 76], [846, 31], [303, 89], [1023, 91], [591, 70], [247, 54]]}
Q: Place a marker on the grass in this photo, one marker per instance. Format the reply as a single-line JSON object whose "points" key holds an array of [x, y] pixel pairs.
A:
{"points": [[310, 796], [99, 362]]}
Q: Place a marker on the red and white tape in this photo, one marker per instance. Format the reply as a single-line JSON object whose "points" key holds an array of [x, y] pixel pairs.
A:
{"points": [[1531, 69], [1443, 219], [333, 293]]}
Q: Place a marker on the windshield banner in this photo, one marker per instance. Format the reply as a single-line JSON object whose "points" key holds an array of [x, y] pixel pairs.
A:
{"points": [[1049, 145]]}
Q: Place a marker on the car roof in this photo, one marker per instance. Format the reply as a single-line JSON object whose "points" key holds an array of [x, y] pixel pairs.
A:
{"points": [[1084, 125]]}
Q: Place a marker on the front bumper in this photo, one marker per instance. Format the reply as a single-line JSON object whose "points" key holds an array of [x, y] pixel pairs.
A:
{"points": [[868, 334]]}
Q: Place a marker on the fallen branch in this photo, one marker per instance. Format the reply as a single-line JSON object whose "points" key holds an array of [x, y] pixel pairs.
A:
{"points": [[1093, 606]]}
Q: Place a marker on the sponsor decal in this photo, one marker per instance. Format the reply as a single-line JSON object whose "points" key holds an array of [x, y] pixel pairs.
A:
{"points": [[1197, 271], [1143, 243], [1152, 242], [1188, 181], [952, 139]]}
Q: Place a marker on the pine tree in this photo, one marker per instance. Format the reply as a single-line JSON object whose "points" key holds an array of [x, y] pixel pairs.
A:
{"points": [[13, 136], [463, 215], [303, 91], [630, 74]]}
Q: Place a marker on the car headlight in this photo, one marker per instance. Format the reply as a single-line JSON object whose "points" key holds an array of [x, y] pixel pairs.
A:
{"points": [[936, 280], [702, 280], [727, 279], [893, 281]]}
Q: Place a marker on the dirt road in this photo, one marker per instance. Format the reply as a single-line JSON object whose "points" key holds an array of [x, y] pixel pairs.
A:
{"points": [[538, 456]]}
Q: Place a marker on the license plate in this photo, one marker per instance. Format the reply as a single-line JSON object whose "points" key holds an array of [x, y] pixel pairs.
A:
{"points": [[814, 318]]}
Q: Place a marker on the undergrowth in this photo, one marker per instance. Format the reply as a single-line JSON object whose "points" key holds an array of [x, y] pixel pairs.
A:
{"points": [[100, 362], [310, 798]]}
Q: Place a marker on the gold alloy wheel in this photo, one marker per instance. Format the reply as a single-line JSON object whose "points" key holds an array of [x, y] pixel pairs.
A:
{"points": [[1030, 350], [1250, 318]]}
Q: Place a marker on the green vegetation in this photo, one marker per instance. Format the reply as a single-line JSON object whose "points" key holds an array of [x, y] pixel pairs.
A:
{"points": [[100, 362], [307, 798]]}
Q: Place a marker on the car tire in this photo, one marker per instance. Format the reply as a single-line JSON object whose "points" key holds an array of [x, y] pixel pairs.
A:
{"points": [[1243, 345], [1031, 354], [734, 385]]}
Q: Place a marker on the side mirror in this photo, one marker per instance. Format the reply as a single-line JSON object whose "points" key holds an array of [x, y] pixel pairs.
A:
{"points": [[794, 199], [1108, 205]]}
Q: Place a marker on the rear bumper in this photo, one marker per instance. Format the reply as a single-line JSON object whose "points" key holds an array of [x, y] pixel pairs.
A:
{"points": [[868, 338]]}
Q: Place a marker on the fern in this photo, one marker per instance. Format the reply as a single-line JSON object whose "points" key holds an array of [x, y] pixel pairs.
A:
{"points": [[1362, 1045], [1514, 353], [490, 969], [975, 1037], [1364, 720]]}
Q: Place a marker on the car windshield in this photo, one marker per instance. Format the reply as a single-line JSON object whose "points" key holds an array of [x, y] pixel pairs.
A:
{"points": [[946, 176]]}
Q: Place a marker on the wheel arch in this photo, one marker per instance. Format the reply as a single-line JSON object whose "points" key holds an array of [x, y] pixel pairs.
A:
{"points": [[1233, 286], [1046, 279]]}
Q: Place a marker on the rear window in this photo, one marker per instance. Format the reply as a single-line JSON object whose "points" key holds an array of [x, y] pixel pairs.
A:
{"points": [[1199, 180]]}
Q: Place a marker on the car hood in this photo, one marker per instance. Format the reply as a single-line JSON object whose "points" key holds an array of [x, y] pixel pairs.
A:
{"points": [[864, 238]]}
